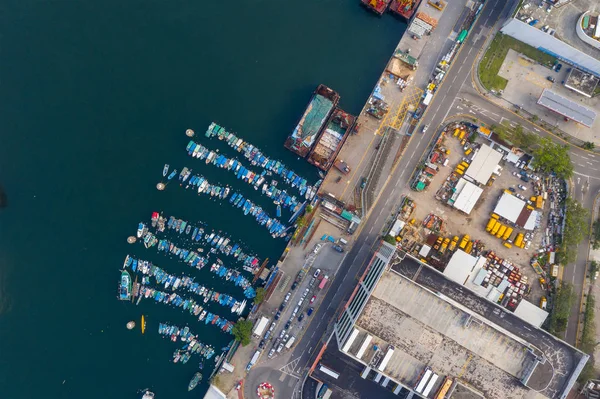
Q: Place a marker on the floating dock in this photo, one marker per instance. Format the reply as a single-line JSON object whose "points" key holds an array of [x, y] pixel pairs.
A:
{"points": [[302, 139], [404, 8], [377, 6], [332, 138]]}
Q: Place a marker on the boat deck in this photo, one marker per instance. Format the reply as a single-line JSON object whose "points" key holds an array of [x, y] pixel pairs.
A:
{"points": [[404, 8], [308, 128], [377, 6], [332, 139]]}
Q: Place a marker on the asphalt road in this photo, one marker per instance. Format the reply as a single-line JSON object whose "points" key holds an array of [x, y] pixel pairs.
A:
{"points": [[455, 96]]}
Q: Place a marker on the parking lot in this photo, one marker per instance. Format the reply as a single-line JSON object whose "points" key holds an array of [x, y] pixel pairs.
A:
{"points": [[303, 295]]}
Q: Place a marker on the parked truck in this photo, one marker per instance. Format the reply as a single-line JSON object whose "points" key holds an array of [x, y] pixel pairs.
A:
{"points": [[342, 166]]}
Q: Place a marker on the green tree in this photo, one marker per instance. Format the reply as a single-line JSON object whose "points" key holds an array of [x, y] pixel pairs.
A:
{"points": [[588, 335], [551, 157], [576, 228], [523, 139], [309, 208], [242, 331], [301, 221], [260, 295], [389, 239], [563, 302], [588, 145]]}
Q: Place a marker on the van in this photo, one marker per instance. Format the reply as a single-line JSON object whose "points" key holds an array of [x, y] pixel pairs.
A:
{"points": [[543, 303], [343, 242]]}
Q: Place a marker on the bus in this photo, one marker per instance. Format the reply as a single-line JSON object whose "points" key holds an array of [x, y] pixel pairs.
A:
{"points": [[423, 380], [329, 372], [445, 388], [324, 392], [430, 385]]}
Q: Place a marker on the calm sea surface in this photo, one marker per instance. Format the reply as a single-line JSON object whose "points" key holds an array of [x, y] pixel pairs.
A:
{"points": [[94, 99]]}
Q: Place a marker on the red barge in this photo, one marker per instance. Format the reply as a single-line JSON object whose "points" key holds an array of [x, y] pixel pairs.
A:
{"points": [[331, 140], [377, 6], [320, 106], [405, 8]]}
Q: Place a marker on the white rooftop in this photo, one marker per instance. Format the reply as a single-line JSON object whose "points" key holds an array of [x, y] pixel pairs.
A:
{"points": [[509, 207], [568, 108], [483, 164], [531, 313], [460, 266], [466, 195]]}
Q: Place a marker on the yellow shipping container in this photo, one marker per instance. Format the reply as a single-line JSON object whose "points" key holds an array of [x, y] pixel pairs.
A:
{"points": [[507, 244], [453, 243], [464, 164], [459, 166], [460, 172], [501, 231], [507, 233], [490, 225], [495, 216], [519, 240], [496, 228], [463, 242], [539, 203], [530, 207], [469, 247], [533, 199]]}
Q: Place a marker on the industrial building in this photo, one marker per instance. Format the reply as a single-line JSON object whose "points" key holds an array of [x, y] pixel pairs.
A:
{"points": [[483, 165], [466, 195], [517, 211], [550, 45], [409, 323], [567, 108]]}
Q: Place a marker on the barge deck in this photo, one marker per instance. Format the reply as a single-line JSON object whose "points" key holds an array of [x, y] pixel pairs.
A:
{"points": [[377, 6], [332, 138], [404, 8], [320, 106]]}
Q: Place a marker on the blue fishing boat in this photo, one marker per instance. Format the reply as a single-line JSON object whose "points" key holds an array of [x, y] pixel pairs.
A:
{"points": [[278, 210], [172, 175], [125, 286]]}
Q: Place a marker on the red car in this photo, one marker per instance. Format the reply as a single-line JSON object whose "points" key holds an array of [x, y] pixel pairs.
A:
{"points": [[312, 300]]}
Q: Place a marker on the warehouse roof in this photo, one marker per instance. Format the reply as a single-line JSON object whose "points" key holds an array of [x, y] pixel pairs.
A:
{"points": [[550, 45], [509, 207], [460, 266], [568, 108], [483, 164], [531, 313], [466, 195]]}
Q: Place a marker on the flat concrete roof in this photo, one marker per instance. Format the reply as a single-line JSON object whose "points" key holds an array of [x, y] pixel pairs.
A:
{"points": [[446, 338], [553, 378], [531, 313], [483, 164], [581, 82], [509, 207], [460, 266], [568, 108]]}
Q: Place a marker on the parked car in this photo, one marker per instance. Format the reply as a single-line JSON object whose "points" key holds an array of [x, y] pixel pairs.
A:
{"points": [[317, 272], [550, 78], [277, 315], [558, 67], [522, 187], [363, 183], [293, 287], [287, 297], [512, 189], [310, 311], [271, 353], [288, 324], [301, 317], [267, 335], [262, 344], [272, 326], [338, 248], [312, 300], [281, 307]]}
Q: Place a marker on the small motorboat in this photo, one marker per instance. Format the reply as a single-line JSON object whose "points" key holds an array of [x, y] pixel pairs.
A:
{"points": [[148, 394], [166, 169]]}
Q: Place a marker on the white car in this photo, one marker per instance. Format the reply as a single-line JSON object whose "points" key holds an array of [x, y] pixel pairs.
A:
{"points": [[522, 187], [317, 272], [425, 127]]}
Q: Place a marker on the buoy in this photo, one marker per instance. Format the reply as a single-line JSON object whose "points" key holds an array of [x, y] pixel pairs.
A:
{"points": [[160, 186], [131, 325], [131, 239], [189, 133]]}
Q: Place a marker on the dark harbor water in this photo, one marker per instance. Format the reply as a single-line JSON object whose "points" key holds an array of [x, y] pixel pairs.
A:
{"points": [[94, 98]]}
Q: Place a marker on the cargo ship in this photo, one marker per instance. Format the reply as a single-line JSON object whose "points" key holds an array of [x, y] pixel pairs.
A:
{"points": [[332, 139], [404, 8], [377, 6], [322, 102]]}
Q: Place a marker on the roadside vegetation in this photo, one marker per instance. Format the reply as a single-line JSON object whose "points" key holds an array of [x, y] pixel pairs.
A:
{"points": [[389, 239], [588, 339], [242, 331], [551, 157], [260, 295], [596, 235], [563, 302], [517, 136], [496, 53], [576, 228]]}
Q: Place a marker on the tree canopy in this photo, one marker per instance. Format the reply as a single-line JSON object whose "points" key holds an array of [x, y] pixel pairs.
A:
{"points": [[563, 302], [242, 331], [576, 228], [260, 295], [550, 157]]}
